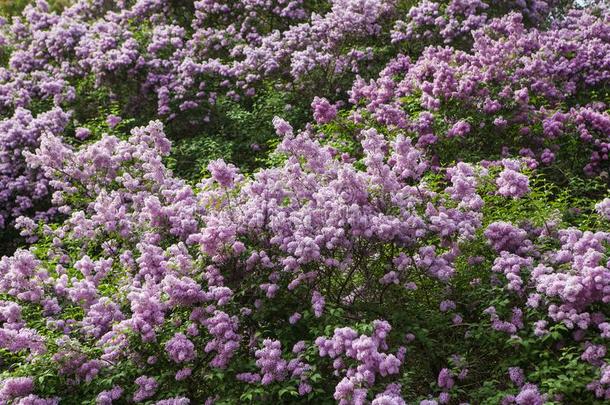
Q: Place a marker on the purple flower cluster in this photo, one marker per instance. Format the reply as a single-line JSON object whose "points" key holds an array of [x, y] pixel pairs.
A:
{"points": [[368, 351], [512, 184], [323, 111], [180, 348], [147, 386], [13, 388], [566, 283]]}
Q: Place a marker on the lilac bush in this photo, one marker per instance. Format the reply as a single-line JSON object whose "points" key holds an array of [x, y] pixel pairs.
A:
{"points": [[23, 189], [538, 105], [443, 239], [181, 275], [202, 66], [223, 47], [451, 22]]}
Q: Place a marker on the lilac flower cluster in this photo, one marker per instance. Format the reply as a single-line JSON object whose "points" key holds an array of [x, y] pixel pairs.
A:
{"points": [[180, 348], [274, 368], [147, 386], [369, 353], [512, 184]]}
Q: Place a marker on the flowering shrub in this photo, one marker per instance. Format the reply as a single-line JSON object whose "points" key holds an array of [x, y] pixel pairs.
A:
{"points": [[194, 282], [434, 21], [22, 188], [393, 251], [548, 101], [216, 70]]}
